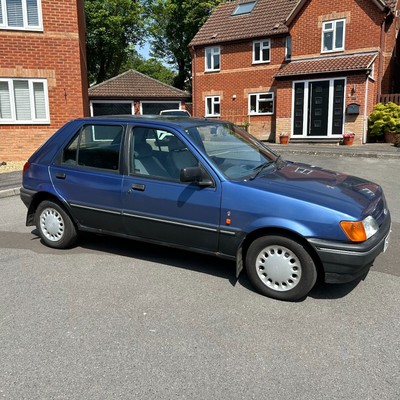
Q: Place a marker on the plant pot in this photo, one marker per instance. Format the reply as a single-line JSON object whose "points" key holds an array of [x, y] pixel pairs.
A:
{"points": [[348, 140], [389, 137], [396, 141], [284, 139]]}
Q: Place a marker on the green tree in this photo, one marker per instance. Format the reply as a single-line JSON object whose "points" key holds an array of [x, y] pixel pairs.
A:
{"points": [[112, 27], [173, 24], [150, 67]]}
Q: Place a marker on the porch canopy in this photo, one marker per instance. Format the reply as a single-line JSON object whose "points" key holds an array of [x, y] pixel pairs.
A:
{"points": [[324, 65]]}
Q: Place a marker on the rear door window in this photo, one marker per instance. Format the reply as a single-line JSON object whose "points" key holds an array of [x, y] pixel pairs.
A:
{"points": [[95, 146]]}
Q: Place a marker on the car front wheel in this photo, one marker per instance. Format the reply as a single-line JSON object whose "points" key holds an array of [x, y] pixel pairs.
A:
{"points": [[55, 227], [280, 268]]}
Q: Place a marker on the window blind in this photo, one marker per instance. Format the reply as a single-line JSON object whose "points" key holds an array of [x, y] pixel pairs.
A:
{"points": [[14, 13], [40, 100], [5, 103], [22, 101], [33, 13]]}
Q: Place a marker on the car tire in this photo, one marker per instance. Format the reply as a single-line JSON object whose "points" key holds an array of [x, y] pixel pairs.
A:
{"points": [[55, 226], [280, 268]]}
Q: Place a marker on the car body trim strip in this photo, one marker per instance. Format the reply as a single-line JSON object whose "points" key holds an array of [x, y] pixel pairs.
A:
{"points": [[95, 209], [204, 228]]}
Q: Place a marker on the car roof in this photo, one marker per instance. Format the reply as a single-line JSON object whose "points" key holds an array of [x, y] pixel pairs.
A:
{"points": [[170, 120]]}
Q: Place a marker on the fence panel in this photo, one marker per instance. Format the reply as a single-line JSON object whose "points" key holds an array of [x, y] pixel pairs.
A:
{"points": [[394, 98]]}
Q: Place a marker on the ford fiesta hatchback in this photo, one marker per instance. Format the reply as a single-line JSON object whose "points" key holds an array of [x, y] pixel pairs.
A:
{"points": [[210, 187]]}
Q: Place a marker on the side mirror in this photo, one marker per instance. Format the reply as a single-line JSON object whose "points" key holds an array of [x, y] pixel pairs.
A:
{"points": [[194, 175]]}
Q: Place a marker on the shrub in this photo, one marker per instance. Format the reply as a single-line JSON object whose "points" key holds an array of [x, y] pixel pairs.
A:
{"points": [[384, 118]]}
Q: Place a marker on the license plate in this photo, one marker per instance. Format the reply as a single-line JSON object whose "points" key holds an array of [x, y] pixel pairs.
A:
{"points": [[386, 245]]}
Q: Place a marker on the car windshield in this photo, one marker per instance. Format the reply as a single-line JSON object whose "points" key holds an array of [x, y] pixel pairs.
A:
{"points": [[232, 150]]}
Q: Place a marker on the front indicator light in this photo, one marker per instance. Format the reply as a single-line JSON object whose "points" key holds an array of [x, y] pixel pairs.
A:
{"points": [[359, 231]]}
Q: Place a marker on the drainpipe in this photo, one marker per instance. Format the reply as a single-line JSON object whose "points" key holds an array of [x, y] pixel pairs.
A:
{"points": [[194, 83], [365, 125], [380, 70]]}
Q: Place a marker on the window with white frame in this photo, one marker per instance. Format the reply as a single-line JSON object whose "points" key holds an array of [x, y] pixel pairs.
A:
{"points": [[21, 14], [23, 101], [213, 106], [261, 51], [333, 35], [213, 58], [261, 103]]}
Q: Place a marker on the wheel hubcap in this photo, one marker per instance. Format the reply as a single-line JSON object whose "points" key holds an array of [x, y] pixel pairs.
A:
{"points": [[52, 224], [278, 268]]}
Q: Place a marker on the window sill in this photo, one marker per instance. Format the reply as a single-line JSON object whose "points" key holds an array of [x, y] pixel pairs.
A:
{"points": [[208, 71], [332, 51], [21, 29], [25, 123], [261, 62]]}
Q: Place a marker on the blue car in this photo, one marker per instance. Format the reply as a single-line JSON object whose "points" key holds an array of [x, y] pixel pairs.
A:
{"points": [[207, 186]]}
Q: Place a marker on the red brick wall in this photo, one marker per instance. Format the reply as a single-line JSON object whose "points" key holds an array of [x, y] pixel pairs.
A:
{"points": [[56, 54]]}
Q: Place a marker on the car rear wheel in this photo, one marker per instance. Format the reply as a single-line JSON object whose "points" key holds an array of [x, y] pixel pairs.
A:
{"points": [[280, 268], [55, 227]]}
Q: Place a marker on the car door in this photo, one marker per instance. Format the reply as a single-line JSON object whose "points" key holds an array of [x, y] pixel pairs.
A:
{"points": [[87, 176], [157, 206]]}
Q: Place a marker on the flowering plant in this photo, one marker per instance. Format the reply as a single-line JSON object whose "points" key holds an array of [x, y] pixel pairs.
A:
{"points": [[283, 134], [349, 134]]}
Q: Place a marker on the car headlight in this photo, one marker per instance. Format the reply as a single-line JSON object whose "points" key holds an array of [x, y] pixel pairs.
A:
{"points": [[359, 231]]}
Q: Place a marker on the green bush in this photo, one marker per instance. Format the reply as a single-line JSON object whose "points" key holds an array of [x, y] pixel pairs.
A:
{"points": [[384, 118]]}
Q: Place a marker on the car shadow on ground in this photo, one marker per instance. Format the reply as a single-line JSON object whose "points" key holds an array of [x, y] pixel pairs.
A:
{"points": [[163, 255]]}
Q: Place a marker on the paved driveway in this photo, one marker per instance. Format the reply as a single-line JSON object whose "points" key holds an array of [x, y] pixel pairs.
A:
{"points": [[116, 319]]}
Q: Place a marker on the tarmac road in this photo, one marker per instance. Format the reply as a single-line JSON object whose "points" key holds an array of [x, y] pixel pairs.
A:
{"points": [[116, 319]]}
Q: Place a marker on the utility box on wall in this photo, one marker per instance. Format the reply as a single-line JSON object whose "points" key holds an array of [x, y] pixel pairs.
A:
{"points": [[353, 109]]}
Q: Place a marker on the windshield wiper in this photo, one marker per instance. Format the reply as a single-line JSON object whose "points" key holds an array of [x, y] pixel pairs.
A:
{"points": [[260, 168]]}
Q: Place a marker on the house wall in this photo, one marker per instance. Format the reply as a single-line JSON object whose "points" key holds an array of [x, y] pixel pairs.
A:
{"points": [[238, 76], [58, 55]]}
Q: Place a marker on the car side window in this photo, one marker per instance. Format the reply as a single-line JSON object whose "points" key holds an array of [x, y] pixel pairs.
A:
{"points": [[95, 146], [159, 154]]}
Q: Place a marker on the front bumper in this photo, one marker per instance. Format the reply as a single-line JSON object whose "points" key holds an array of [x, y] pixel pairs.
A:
{"points": [[343, 262]]}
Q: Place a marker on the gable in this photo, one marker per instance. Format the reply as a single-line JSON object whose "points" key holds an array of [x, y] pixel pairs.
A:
{"points": [[381, 4]]}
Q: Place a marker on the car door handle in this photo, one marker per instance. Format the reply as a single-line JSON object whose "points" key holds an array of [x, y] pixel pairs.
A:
{"points": [[60, 175], [139, 187]]}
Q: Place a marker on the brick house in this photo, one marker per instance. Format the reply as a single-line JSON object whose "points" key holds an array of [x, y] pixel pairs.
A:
{"points": [[43, 78], [312, 68], [134, 93]]}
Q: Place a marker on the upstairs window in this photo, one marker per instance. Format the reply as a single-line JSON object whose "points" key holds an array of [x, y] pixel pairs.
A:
{"points": [[21, 14], [261, 51], [333, 34], [23, 101], [244, 8], [213, 59]]}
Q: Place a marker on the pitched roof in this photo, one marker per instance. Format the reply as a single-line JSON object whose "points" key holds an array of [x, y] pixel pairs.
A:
{"points": [[348, 63], [266, 19], [133, 84]]}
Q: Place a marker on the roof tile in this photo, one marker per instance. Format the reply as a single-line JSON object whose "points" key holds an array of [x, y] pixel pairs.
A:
{"points": [[266, 19]]}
